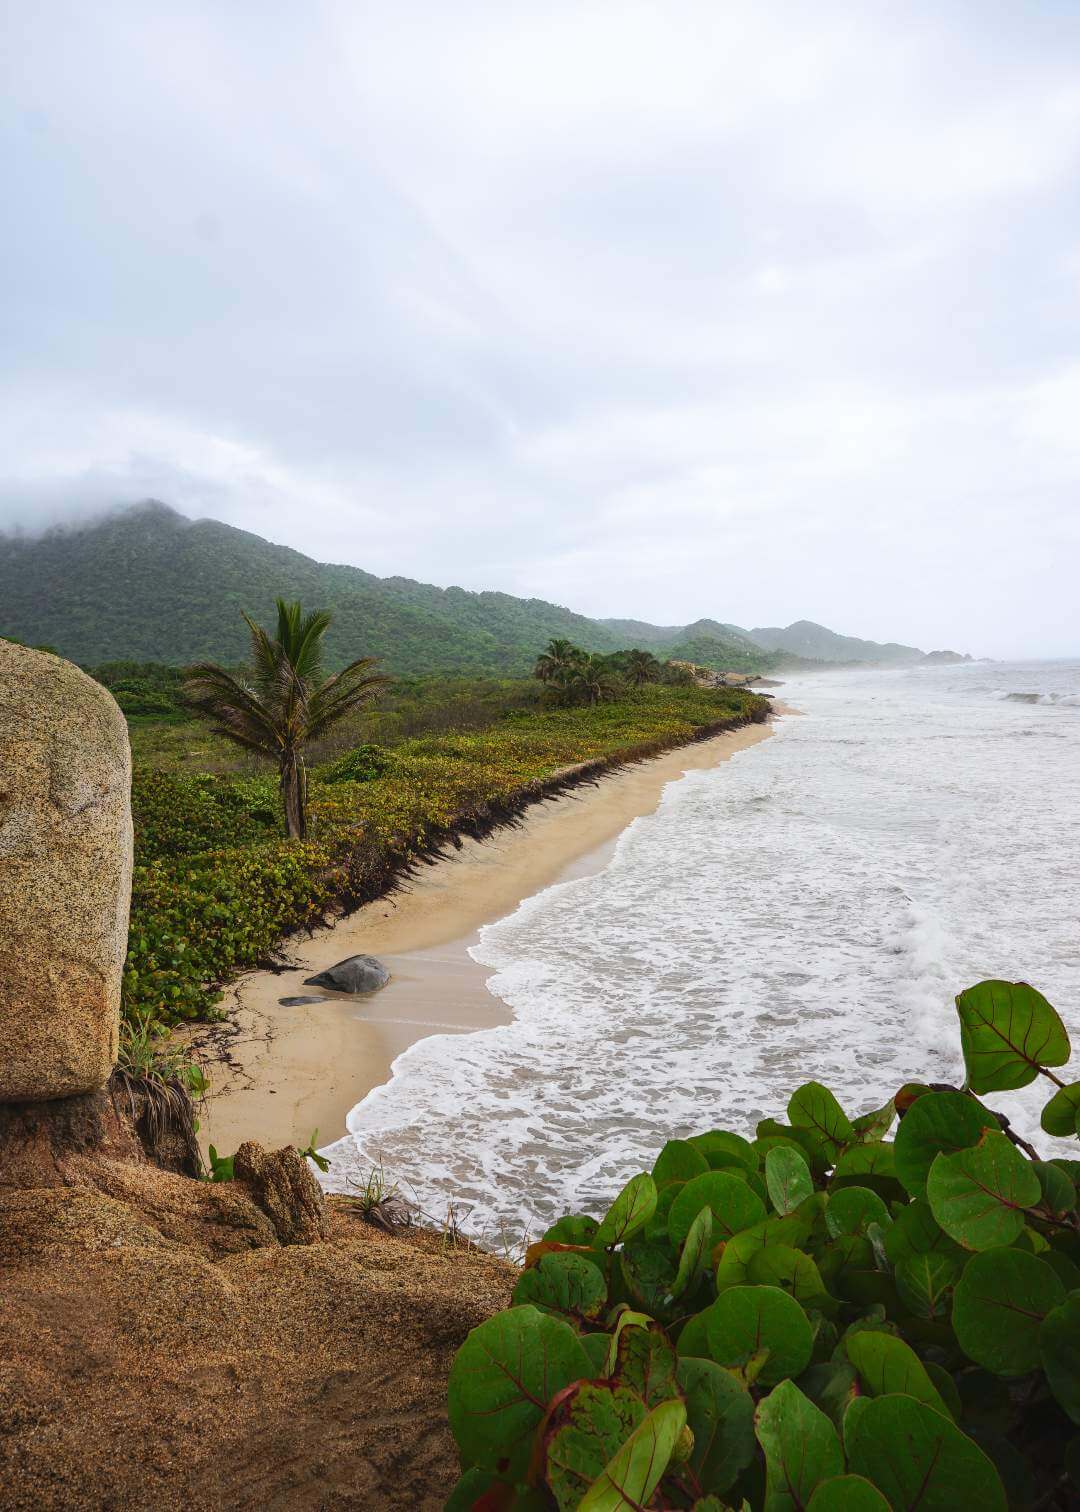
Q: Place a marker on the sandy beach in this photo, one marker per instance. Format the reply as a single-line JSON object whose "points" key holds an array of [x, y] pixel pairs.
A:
{"points": [[279, 1072]]}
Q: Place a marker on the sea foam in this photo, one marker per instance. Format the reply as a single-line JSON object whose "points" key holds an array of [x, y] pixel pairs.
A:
{"points": [[806, 910]]}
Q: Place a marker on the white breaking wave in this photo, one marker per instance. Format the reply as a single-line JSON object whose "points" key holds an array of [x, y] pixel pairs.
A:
{"points": [[808, 909]]}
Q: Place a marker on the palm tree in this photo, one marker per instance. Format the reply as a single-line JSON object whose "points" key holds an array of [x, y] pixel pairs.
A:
{"points": [[642, 667], [557, 660], [288, 701], [591, 680]]}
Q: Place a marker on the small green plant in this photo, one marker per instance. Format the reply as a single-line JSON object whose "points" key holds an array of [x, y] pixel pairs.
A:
{"points": [[379, 1201], [147, 1054], [312, 1154], [822, 1317], [221, 1166]]}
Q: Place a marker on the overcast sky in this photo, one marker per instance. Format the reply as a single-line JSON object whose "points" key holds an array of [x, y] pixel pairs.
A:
{"points": [[753, 310]]}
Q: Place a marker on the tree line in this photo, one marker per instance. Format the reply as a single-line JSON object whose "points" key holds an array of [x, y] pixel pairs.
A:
{"points": [[574, 676]]}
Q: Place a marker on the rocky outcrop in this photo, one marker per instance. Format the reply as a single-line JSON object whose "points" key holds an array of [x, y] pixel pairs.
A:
{"points": [[281, 1185], [357, 974], [160, 1349], [65, 876]]}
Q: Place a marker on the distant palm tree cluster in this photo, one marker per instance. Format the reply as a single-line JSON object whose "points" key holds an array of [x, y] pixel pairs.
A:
{"points": [[574, 676]]}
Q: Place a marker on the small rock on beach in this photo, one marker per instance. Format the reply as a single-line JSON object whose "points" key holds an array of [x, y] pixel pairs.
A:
{"points": [[359, 974]]}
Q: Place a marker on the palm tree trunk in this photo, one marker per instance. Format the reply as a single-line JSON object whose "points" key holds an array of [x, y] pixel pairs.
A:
{"points": [[293, 785]]}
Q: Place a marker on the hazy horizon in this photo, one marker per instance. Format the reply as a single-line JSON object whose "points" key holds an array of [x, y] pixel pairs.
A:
{"points": [[754, 312]]}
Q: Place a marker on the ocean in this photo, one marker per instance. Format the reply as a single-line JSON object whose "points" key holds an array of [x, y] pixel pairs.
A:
{"points": [[808, 910]]}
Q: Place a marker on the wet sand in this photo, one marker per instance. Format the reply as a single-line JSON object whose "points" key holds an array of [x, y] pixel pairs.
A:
{"points": [[277, 1073]]}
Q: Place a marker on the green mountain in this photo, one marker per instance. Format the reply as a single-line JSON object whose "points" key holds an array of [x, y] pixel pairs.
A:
{"points": [[804, 638], [147, 584]]}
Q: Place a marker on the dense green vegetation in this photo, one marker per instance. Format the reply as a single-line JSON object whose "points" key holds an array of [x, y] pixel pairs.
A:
{"points": [[216, 884], [149, 585], [572, 675], [822, 1317]]}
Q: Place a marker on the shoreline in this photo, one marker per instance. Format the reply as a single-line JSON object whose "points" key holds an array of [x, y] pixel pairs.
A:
{"points": [[277, 1073]]}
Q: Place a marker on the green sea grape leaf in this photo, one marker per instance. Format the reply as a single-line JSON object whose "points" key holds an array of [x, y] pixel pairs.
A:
{"points": [[815, 1108], [788, 1179], [631, 1210], [852, 1209], [1059, 1351], [831, 1385], [502, 1379], [733, 1205], [645, 1361], [873, 1159], [1058, 1188], [648, 1271], [940, 1122], [694, 1336], [915, 1231], [796, 1229], [847, 1493], [720, 1414], [873, 1127], [597, 1347], [979, 1196], [851, 1252], [634, 1472], [1061, 1112], [1066, 1270], [801, 1448], [918, 1458], [887, 1365], [563, 1283], [679, 1160], [696, 1249], [746, 1319], [947, 1388], [722, 1146], [925, 1282], [474, 1484], [584, 1434], [628, 1318], [1007, 1032], [575, 1228], [656, 1227], [998, 1308], [794, 1272]]}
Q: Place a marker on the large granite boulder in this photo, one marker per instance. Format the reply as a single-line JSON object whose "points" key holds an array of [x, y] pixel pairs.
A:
{"points": [[65, 876], [359, 974]]}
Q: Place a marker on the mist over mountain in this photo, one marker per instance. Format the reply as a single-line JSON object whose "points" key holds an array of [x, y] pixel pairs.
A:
{"points": [[147, 583]]}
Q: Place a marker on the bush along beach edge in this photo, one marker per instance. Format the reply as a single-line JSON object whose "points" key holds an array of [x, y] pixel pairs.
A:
{"points": [[851, 1313]]}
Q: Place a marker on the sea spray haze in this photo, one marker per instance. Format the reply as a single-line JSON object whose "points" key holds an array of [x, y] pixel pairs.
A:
{"points": [[805, 910]]}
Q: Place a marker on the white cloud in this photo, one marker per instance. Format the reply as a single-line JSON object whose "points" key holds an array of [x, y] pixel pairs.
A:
{"points": [[752, 310]]}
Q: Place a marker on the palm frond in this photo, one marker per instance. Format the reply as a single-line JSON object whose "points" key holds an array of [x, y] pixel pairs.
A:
{"points": [[356, 685], [236, 710]]}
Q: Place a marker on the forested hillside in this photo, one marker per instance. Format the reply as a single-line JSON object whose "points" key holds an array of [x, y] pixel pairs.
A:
{"points": [[147, 584]]}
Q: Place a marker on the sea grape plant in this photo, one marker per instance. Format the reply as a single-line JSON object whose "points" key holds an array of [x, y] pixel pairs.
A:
{"points": [[851, 1313]]}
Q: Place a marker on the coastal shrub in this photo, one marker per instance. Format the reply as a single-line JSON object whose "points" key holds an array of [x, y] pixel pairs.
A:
{"points": [[876, 1312], [182, 814], [216, 886], [362, 764]]}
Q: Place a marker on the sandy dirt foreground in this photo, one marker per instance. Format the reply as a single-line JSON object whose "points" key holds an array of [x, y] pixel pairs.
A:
{"points": [[278, 1073]]}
